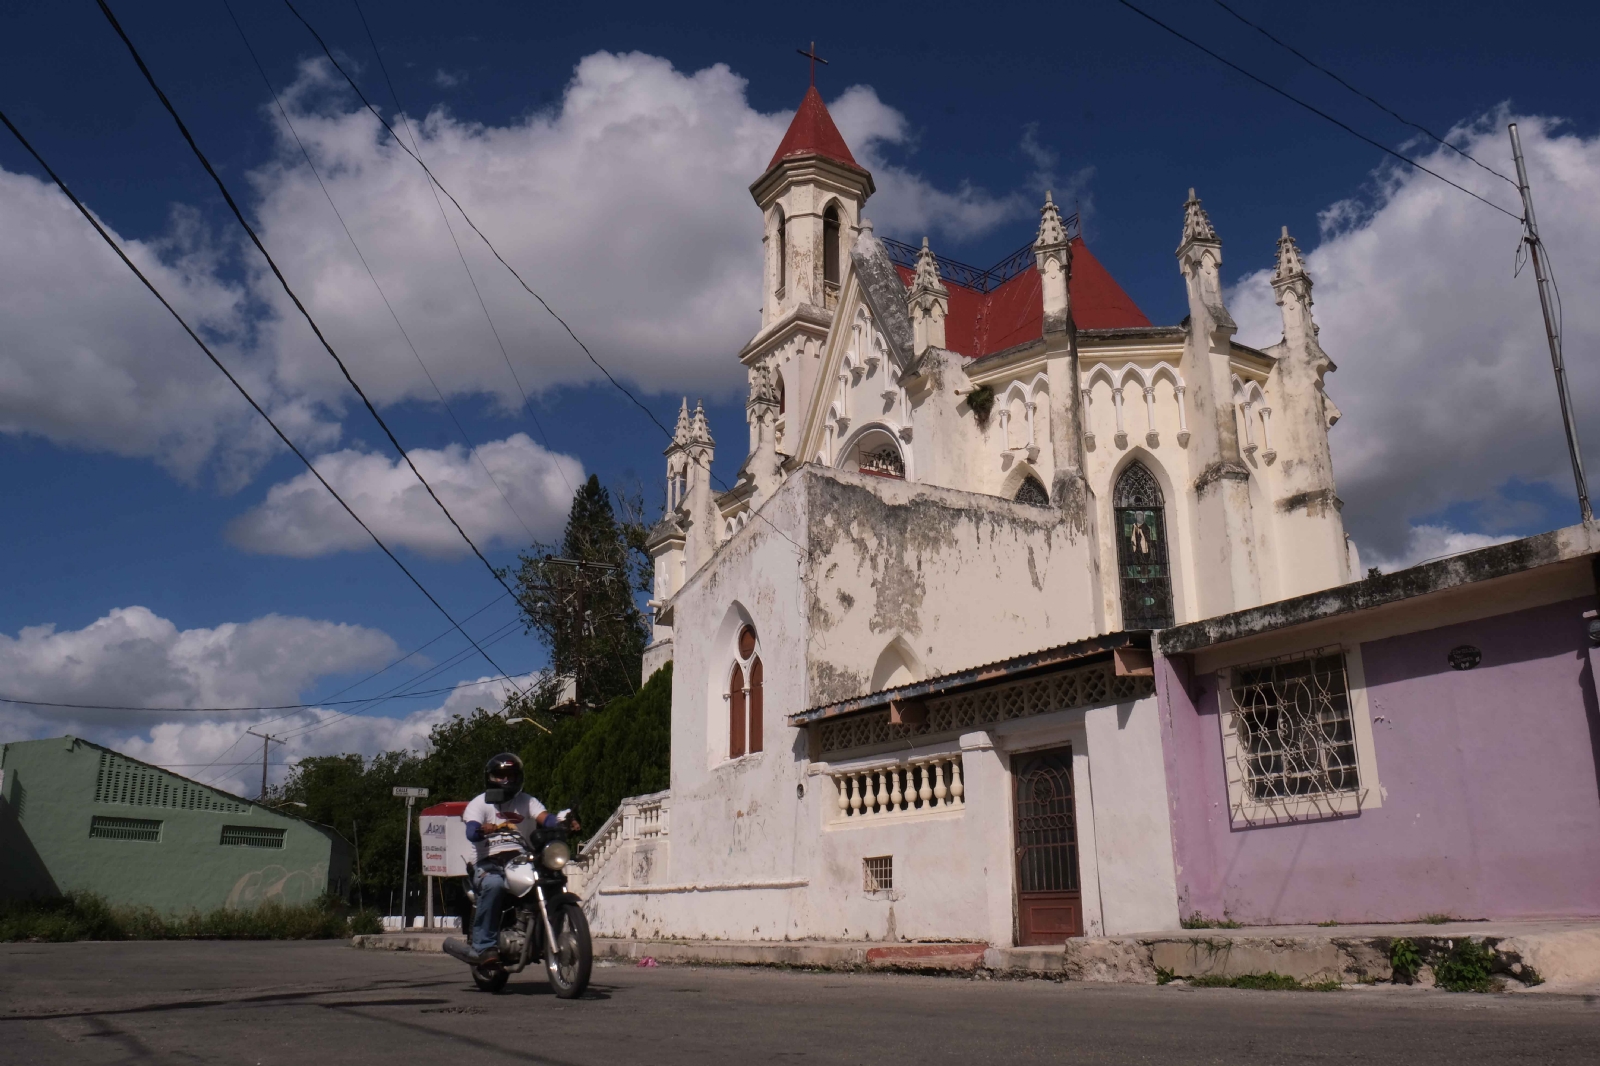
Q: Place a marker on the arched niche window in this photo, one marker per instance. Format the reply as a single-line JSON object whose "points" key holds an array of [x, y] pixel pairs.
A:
{"points": [[782, 394], [781, 253], [745, 699], [830, 252], [1143, 566], [1032, 492], [876, 453]]}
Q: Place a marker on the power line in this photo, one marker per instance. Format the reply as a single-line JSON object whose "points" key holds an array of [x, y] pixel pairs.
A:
{"points": [[87, 214], [238, 214], [516, 379], [373, 277], [503, 262], [1375, 103], [230, 710], [1314, 110], [468, 218]]}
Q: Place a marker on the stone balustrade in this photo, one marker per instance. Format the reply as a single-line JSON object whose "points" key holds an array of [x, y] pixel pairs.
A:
{"points": [[911, 786]]}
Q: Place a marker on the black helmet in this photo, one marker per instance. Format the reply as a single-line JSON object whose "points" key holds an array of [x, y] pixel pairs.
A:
{"points": [[503, 776]]}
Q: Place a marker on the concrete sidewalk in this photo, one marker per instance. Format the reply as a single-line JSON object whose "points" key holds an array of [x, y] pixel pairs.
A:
{"points": [[1553, 956]]}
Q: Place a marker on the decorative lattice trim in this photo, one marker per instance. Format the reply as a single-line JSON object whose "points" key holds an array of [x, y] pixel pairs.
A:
{"points": [[1085, 687]]}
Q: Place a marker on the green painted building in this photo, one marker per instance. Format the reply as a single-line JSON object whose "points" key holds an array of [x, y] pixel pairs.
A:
{"points": [[75, 816]]}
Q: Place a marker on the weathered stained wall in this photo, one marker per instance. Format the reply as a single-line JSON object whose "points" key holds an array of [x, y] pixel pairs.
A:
{"points": [[1490, 807], [187, 869], [964, 579]]}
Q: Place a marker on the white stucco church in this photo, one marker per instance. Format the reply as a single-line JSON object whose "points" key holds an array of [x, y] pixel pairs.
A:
{"points": [[912, 695]]}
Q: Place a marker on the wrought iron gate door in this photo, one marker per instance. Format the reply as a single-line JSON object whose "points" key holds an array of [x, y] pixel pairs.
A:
{"points": [[1049, 906]]}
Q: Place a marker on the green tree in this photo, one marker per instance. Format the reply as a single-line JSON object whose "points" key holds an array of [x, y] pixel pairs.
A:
{"points": [[580, 596]]}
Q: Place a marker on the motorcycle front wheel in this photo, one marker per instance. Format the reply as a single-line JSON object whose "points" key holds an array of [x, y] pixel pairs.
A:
{"points": [[490, 978], [568, 962]]}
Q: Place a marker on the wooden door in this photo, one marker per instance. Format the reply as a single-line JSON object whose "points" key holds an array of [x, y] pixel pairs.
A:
{"points": [[1049, 903]]}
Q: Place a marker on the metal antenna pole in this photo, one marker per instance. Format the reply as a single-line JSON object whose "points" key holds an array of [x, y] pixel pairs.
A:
{"points": [[1552, 327]]}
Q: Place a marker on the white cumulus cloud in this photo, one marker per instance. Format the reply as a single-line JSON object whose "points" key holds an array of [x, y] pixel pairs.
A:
{"points": [[133, 657], [510, 490], [625, 204], [89, 359], [1444, 377]]}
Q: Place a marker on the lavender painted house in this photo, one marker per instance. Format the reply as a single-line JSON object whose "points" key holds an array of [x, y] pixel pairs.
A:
{"points": [[1415, 744]]}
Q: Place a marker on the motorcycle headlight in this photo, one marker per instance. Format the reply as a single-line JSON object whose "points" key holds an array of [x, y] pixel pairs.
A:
{"points": [[556, 855]]}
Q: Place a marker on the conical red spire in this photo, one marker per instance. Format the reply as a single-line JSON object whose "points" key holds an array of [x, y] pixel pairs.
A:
{"points": [[813, 133]]}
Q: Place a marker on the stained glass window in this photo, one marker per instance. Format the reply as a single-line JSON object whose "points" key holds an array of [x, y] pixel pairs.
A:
{"points": [[1142, 562]]}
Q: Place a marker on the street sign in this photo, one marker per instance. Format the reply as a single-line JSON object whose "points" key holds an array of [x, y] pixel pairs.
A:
{"points": [[406, 792]]}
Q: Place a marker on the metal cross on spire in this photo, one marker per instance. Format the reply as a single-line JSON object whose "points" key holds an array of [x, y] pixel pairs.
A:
{"points": [[815, 59]]}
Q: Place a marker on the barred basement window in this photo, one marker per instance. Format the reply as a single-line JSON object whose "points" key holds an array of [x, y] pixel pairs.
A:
{"points": [[1292, 729], [878, 873], [147, 830], [246, 836]]}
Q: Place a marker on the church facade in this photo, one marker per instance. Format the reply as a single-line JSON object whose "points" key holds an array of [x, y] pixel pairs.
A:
{"points": [[914, 693]]}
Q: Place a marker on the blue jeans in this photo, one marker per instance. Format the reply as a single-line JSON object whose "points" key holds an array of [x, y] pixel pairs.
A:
{"points": [[490, 888]]}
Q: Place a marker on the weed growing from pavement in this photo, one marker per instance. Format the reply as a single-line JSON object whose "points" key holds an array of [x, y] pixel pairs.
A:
{"points": [[1466, 968], [1200, 921], [1436, 919], [1404, 959], [86, 916]]}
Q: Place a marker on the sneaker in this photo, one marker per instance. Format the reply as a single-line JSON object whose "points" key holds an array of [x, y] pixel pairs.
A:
{"points": [[460, 948]]}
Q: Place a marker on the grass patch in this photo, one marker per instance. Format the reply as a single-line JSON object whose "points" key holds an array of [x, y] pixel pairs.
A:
{"points": [[1466, 968], [1200, 921], [1263, 982], [1436, 919], [1326, 925], [86, 916]]}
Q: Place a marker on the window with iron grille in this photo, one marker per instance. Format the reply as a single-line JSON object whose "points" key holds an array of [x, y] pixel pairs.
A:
{"points": [[147, 830], [878, 873], [1292, 729], [249, 836]]}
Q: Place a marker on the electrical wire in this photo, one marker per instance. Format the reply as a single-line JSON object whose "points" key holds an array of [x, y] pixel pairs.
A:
{"points": [[231, 710], [460, 254], [1369, 99], [284, 282], [1314, 110], [468, 218], [87, 214], [804, 552], [373, 277]]}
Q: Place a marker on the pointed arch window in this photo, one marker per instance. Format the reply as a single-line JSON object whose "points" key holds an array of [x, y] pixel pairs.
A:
{"points": [[830, 253], [1143, 565], [1032, 492], [746, 702], [781, 256]]}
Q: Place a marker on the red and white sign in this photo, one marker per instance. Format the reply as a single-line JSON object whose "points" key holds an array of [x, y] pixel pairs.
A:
{"points": [[445, 851]]}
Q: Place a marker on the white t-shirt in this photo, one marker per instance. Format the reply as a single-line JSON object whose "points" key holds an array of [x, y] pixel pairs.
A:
{"points": [[520, 814]]}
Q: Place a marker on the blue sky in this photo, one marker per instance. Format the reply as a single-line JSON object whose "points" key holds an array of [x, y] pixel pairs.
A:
{"points": [[607, 149]]}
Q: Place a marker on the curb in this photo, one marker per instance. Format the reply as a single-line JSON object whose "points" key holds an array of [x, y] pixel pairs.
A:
{"points": [[1559, 959]]}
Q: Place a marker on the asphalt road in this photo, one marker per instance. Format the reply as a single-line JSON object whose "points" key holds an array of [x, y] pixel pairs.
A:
{"points": [[323, 1002]]}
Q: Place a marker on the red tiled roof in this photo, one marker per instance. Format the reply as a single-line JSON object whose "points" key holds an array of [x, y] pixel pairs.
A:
{"points": [[981, 323], [813, 132]]}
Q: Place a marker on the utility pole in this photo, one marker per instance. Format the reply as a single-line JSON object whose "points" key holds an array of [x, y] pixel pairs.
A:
{"points": [[1552, 324], [361, 900], [411, 796], [266, 742]]}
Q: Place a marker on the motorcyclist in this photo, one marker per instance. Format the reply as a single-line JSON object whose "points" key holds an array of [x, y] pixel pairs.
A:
{"points": [[500, 822]]}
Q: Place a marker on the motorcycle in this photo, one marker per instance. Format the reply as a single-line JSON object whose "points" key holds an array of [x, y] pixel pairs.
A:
{"points": [[540, 920]]}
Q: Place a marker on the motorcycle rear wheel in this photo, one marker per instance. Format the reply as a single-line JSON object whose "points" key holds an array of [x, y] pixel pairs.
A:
{"points": [[568, 963], [490, 978]]}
